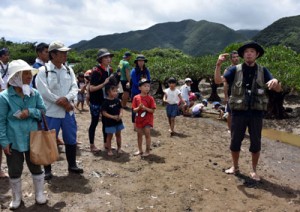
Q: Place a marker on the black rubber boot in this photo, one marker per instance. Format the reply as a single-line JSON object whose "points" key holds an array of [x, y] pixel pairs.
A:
{"points": [[48, 173], [71, 158]]}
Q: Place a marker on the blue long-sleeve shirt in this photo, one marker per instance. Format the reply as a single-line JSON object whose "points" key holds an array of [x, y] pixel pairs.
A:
{"points": [[13, 130], [136, 75]]}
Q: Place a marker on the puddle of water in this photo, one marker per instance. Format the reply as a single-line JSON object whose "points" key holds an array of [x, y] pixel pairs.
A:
{"points": [[281, 136]]}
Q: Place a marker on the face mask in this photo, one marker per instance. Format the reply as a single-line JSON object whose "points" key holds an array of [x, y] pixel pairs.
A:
{"points": [[26, 89]]}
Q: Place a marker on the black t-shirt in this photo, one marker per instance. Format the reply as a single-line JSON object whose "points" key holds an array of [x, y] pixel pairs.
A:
{"points": [[98, 77], [112, 107]]}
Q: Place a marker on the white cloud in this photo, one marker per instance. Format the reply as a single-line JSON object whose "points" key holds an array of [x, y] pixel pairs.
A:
{"points": [[71, 21]]}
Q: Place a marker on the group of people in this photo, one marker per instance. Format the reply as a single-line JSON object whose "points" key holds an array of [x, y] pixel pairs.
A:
{"points": [[50, 87], [22, 106]]}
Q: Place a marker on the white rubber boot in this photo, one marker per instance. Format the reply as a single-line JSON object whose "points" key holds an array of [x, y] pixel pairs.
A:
{"points": [[38, 182], [16, 188]]}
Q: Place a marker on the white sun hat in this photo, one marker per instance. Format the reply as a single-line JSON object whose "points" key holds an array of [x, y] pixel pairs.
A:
{"points": [[17, 66]]}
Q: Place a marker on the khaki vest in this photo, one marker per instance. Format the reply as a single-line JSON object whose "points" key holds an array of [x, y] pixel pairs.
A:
{"points": [[243, 99]]}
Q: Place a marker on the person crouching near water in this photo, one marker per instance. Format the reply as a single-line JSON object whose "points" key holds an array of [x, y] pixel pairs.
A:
{"points": [[144, 106], [172, 96], [112, 111], [20, 111]]}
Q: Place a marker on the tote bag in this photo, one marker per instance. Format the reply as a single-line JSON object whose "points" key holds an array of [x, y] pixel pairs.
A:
{"points": [[43, 146]]}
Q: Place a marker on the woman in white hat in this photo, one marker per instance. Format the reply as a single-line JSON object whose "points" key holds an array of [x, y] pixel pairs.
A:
{"points": [[20, 111]]}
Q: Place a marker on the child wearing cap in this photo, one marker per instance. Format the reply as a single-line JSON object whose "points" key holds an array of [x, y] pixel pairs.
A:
{"points": [[172, 96], [144, 106], [185, 92]]}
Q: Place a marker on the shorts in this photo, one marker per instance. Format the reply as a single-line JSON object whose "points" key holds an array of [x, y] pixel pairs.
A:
{"points": [[80, 97], [172, 110], [114, 129], [239, 125], [196, 113], [125, 89], [146, 126]]}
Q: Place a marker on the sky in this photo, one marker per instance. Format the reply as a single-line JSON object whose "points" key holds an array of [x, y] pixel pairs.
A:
{"points": [[71, 21]]}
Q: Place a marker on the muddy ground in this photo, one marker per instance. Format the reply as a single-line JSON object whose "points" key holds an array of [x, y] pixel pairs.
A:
{"points": [[184, 173]]}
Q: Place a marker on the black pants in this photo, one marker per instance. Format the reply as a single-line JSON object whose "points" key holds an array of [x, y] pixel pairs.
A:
{"points": [[239, 125], [95, 115]]}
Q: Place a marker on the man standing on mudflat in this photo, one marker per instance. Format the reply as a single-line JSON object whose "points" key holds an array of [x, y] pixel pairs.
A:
{"points": [[57, 84], [248, 101]]}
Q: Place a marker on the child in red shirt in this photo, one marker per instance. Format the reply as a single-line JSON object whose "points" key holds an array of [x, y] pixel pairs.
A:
{"points": [[144, 106]]}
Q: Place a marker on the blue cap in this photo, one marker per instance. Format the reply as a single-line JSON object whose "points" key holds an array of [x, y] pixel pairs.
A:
{"points": [[127, 54], [3, 51]]}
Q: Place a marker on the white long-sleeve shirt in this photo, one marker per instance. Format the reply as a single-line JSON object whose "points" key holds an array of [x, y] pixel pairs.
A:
{"points": [[3, 80], [59, 83]]}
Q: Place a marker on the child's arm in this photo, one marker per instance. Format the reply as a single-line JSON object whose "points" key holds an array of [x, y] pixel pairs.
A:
{"points": [[121, 113], [149, 110], [136, 109], [107, 115], [83, 89], [181, 99], [165, 98]]}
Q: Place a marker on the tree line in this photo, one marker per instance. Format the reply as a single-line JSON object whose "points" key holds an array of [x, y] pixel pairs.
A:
{"points": [[282, 61]]}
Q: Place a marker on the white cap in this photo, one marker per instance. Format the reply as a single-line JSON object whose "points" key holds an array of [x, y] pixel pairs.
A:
{"points": [[188, 80], [57, 45]]}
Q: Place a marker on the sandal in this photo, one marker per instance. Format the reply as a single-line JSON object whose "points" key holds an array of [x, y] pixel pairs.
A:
{"points": [[110, 153]]}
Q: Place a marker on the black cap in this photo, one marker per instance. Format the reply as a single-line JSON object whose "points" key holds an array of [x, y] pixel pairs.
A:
{"points": [[143, 81], [251, 44]]}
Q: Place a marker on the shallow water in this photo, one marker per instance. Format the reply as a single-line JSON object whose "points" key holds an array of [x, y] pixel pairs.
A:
{"points": [[281, 136]]}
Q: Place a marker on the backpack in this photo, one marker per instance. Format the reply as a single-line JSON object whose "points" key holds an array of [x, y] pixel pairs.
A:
{"points": [[5, 70], [114, 77]]}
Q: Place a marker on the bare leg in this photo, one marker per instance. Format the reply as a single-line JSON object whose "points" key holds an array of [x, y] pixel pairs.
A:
{"points": [[125, 97], [148, 140], [235, 160], [253, 174], [119, 139], [140, 139], [169, 120], [172, 124], [229, 121], [108, 143]]}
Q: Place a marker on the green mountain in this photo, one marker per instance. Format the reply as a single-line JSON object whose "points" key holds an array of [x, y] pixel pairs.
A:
{"points": [[248, 33], [285, 31], [192, 37]]}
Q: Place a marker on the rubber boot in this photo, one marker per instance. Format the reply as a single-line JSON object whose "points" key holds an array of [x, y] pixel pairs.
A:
{"points": [[16, 188], [48, 172], [38, 182], [71, 158]]}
